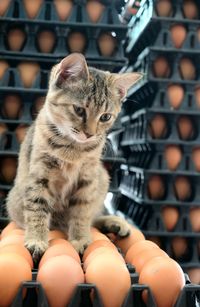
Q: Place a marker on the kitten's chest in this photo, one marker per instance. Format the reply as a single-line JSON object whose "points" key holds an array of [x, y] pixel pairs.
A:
{"points": [[62, 183]]}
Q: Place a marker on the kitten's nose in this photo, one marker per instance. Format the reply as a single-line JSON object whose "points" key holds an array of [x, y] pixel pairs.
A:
{"points": [[88, 135]]}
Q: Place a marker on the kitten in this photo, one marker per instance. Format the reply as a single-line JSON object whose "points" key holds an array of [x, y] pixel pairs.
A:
{"points": [[61, 182]]}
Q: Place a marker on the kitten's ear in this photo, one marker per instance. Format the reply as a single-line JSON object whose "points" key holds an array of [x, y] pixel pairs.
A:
{"points": [[125, 81], [72, 69]]}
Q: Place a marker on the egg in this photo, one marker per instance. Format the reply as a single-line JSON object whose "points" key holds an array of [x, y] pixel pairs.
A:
{"points": [[195, 219], [161, 67], [138, 247], [104, 272], [107, 44], [97, 244], [196, 158], [8, 229], [157, 127], [185, 128], [156, 187], [197, 96], [76, 42], [12, 239], [179, 247], [64, 248], [37, 105], [3, 128], [173, 156], [18, 231], [59, 277], [16, 38], [178, 35], [94, 10], [46, 41], [125, 243], [190, 9], [194, 275], [164, 8], [155, 240], [19, 250], [14, 270], [187, 69], [175, 95], [170, 216], [165, 278], [97, 235], [182, 188], [3, 67], [8, 167], [4, 4], [56, 234], [20, 132], [28, 72], [12, 106], [32, 8], [63, 8], [139, 260]]}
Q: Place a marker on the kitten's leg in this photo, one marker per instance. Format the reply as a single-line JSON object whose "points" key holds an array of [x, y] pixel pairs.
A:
{"points": [[112, 224]]}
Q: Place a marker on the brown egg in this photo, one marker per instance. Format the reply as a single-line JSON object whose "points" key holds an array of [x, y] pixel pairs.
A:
{"points": [[97, 244], [56, 234], [59, 249], [173, 156], [18, 231], [32, 8], [138, 247], [190, 9], [46, 41], [28, 72], [175, 94], [20, 132], [16, 39], [170, 276], [12, 239], [195, 219], [3, 67], [158, 127], [155, 240], [197, 96], [178, 35], [182, 188], [156, 187], [4, 4], [179, 247], [63, 8], [170, 216], [161, 67], [11, 106], [19, 250], [104, 271], [97, 235], [76, 42], [14, 270], [194, 275], [94, 10], [164, 8], [8, 167], [185, 128], [59, 277], [125, 243], [196, 158], [107, 44], [37, 105], [187, 69], [8, 229], [3, 128]]}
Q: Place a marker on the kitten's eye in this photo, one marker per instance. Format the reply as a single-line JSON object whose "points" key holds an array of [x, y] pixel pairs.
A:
{"points": [[79, 111], [105, 117]]}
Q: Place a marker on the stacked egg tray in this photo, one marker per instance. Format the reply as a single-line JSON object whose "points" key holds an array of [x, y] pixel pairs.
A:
{"points": [[47, 19], [35, 294]]}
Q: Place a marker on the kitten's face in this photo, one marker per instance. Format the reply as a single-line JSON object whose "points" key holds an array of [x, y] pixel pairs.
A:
{"points": [[83, 102]]}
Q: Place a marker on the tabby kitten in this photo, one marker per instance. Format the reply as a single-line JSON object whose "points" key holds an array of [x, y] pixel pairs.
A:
{"points": [[60, 181]]}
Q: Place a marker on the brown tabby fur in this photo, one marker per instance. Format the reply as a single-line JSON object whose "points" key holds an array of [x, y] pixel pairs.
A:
{"points": [[60, 182]]}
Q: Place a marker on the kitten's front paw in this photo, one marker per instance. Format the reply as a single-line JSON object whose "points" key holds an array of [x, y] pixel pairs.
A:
{"points": [[36, 248], [113, 224], [80, 245]]}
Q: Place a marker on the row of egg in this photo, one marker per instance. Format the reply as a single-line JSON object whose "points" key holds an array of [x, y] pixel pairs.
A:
{"points": [[46, 41], [162, 68], [63, 8], [165, 8], [103, 266], [12, 108]]}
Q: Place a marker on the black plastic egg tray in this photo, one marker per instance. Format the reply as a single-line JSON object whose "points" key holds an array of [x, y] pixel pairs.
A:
{"points": [[148, 29]]}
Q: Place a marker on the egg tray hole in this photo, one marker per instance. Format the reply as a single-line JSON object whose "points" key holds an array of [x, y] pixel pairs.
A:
{"points": [[30, 47], [47, 13], [139, 38]]}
